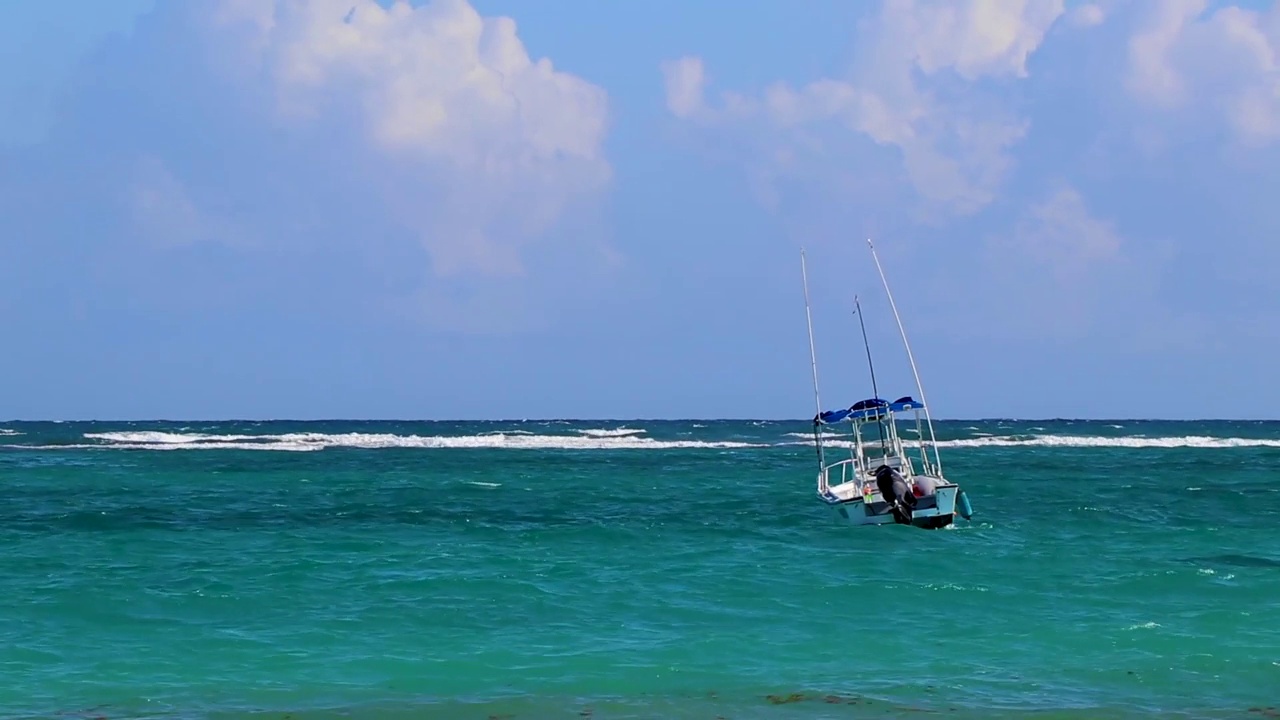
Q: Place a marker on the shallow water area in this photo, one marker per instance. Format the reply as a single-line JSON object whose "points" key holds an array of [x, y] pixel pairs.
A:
{"points": [[630, 569]]}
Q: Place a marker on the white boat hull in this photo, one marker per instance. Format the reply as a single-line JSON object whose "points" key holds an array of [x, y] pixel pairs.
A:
{"points": [[871, 509]]}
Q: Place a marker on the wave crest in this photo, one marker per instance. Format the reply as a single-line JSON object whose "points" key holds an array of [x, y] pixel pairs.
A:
{"points": [[1081, 441], [610, 440], [1095, 441]]}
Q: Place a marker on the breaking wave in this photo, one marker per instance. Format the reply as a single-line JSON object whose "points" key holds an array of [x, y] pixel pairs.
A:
{"points": [[1082, 441], [618, 432], [1088, 441], [587, 437], [622, 439]]}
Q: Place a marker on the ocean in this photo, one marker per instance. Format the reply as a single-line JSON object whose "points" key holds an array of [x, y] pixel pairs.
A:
{"points": [[630, 569]]}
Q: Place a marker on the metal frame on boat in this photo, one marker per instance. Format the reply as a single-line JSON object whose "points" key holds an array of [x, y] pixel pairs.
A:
{"points": [[881, 481]]}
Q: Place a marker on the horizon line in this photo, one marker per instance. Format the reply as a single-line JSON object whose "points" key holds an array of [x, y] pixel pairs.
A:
{"points": [[614, 419]]}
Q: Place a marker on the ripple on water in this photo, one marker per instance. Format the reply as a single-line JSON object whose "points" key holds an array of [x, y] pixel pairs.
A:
{"points": [[394, 579]]}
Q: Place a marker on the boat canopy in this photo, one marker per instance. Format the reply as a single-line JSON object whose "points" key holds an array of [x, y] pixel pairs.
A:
{"points": [[870, 409]]}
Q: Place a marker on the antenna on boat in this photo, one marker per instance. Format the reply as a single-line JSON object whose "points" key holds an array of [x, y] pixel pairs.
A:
{"points": [[813, 355], [875, 392], [919, 387]]}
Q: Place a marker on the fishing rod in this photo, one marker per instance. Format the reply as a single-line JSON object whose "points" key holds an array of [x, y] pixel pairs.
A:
{"points": [[933, 439], [813, 358]]}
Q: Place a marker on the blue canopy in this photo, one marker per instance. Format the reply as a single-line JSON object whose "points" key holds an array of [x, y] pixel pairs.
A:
{"points": [[870, 409], [906, 403], [828, 417]]}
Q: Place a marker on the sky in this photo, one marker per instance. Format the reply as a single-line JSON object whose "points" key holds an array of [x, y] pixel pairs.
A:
{"points": [[503, 210]]}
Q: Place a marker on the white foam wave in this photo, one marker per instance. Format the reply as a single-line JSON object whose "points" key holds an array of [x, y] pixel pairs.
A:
{"points": [[318, 441], [7, 432], [1081, 441], [179, 446], [167, 438], [594, 439], [1084, 441], [617, 432], [825, 436]]}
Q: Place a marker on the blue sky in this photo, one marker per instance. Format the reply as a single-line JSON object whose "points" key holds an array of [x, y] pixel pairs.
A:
{"points": [[341, 208]]}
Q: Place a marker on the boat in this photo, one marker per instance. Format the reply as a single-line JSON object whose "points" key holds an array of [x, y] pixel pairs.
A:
{"points": [[884, 479]]}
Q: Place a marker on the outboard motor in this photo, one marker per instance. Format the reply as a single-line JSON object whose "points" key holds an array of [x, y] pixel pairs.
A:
{"points": [[895, 491]]}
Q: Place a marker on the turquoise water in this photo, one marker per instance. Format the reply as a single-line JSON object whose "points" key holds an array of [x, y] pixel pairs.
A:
{"points": [[630, 570]]}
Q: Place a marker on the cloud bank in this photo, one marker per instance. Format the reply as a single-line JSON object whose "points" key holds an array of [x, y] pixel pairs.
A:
{"points": [[337, 191], [912, 89], [1224, 63], [421, 148], [1038, 164]]}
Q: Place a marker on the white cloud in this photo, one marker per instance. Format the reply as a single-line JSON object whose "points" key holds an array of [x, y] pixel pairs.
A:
{"points": [[164, 212], [492, 144], [934, 98], [1064, 266], [1226, 62], [1151, 77], [686, 81], [954, 150], [975, 39], [1087, 15], [1062, 239]]}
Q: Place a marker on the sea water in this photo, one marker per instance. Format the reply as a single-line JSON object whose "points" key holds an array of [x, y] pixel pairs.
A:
{"points": [[640, 569]]}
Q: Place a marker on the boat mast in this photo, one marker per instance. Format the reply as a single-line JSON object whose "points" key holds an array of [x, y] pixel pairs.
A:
{"points": [[813, 357], [875, 392], [933, 440]]}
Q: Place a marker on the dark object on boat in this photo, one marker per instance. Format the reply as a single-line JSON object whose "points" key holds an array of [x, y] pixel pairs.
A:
{"points": [[895, 492]]}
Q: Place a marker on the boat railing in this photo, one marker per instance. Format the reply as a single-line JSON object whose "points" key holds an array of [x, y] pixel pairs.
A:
{"points": [[846, 468], [850, 469]]}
